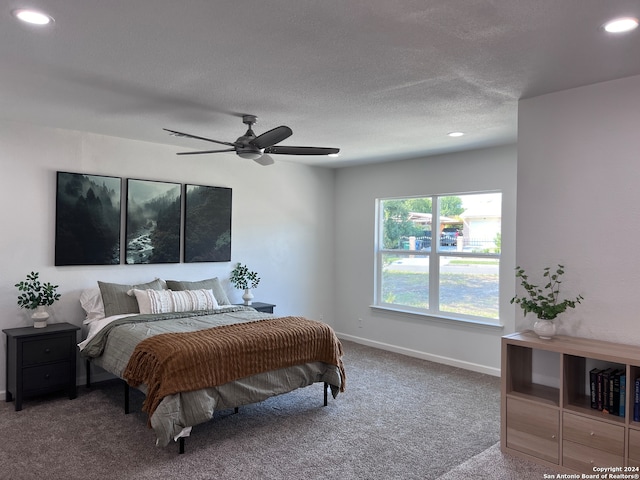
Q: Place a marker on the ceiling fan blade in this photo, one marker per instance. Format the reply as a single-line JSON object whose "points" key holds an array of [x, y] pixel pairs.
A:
{"points": [[273, 136], [207, 151], [188, 135], [283, 150], [265, 160]]}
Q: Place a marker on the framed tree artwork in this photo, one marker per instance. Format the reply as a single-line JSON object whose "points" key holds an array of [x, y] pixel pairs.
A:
{"points": [[207, 226], [88, 216], [153, 222]]}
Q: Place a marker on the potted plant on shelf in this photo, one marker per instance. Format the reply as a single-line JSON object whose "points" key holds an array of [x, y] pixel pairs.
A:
{"points": [[544, 302], [37, 296], [244, 279]]}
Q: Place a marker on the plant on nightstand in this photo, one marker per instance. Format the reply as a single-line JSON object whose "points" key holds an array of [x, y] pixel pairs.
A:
{"points": [[244, 279], [37, 296]]}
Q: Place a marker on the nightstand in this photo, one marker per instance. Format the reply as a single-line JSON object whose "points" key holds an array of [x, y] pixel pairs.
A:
{"points": [[261, 307], [40, 360]]}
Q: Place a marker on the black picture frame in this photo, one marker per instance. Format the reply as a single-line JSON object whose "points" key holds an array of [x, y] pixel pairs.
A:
{"points": [[207, 225], [88, 213], [152, 227]]}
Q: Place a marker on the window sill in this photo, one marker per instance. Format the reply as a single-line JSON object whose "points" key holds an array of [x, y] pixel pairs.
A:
{"points": [[443, 318]]}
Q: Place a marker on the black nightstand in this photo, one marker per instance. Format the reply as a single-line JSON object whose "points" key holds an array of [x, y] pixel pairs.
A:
{"points": [[261, 307], [40, 360]]}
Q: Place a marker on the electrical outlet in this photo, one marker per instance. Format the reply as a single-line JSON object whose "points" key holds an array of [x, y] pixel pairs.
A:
{"points": [[360, 323]]}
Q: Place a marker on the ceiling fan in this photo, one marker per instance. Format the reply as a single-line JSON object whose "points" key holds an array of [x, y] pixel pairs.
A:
{"points": [[258, 148]]}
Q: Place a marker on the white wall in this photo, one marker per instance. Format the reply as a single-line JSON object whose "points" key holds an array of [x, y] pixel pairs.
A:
{"points": [[282, 223], [579, 202], [456, 343]]}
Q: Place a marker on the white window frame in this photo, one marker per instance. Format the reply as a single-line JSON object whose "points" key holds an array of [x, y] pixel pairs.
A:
{"points": [[434, 255]]}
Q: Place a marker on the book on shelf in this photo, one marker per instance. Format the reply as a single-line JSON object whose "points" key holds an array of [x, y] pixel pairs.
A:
{"points": [[636, 401], [623, 395], [603, 389], [614, 397], [593, 383]]}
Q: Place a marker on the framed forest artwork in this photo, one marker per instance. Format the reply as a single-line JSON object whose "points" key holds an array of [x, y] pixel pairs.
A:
{"points": [[207, 226], [153, 222], [88, 215]]}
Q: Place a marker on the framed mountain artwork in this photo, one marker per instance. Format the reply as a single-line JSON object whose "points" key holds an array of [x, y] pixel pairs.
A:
{"points": [[87, 219]]}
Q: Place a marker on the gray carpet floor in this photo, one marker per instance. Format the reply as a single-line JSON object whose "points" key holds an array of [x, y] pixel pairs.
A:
{"points": [[400, 418], [492, 464]]}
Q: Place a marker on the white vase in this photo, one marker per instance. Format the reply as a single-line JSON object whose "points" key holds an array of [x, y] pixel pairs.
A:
{"points": [[40, 317], [247, 296], [545, 329]]}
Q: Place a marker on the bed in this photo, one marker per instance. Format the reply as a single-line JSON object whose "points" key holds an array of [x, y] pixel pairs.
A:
{"points": [[193, 353]]}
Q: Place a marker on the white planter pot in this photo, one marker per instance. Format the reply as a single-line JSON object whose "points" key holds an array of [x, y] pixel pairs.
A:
{"points": [[545, 329], [247, 296], [40, 317]]}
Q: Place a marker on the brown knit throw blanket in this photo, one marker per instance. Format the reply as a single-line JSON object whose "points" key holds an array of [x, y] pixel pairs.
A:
{"points": [[170, 363]]}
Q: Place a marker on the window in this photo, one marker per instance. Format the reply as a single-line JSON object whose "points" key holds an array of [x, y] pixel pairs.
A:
{"points": [[448, 268]]}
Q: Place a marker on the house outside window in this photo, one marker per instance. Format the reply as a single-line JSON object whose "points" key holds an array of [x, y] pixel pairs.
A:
{"points": [[446, 268]]}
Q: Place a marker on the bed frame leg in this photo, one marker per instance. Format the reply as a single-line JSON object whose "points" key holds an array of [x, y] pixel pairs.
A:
{"points": [[126, 398], [326, 388], [236, 410], [88, 372], [181, 445]]}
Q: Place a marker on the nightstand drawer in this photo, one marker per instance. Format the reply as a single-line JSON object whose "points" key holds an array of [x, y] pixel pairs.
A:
{"points": [[45, 377], [50, 349]]}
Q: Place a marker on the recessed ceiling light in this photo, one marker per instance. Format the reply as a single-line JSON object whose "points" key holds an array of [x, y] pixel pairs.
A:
{"points": [[620, 25], [455, 134], [32, 16]]}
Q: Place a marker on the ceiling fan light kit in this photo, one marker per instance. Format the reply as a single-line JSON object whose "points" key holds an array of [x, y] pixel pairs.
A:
{"points": [[258, 148], [33, 17], [621, 25]]}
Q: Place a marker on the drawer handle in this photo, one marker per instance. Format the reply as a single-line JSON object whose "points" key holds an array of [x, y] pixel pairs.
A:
{"points": [[553, 436], [46, 376], [592, 434], [47, 350]]}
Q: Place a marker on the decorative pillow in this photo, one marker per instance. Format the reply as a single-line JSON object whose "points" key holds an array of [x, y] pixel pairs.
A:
{"points": [[166, 301], [91, 302], [208, 284], [117, 302]]}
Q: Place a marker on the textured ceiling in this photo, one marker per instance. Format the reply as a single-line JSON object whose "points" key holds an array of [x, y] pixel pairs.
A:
{"points": [[380, 79]]}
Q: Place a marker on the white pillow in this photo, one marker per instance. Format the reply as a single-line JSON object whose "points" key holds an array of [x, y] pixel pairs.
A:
{"points": [[91, 302], [166, 301]]}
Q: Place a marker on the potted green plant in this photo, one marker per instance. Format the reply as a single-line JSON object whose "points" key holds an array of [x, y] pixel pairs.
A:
{"points": [[544, 302], [244, 279], [37, 296]]}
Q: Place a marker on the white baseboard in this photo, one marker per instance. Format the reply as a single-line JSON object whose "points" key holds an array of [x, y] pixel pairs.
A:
{"points": [[475, 367]]}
